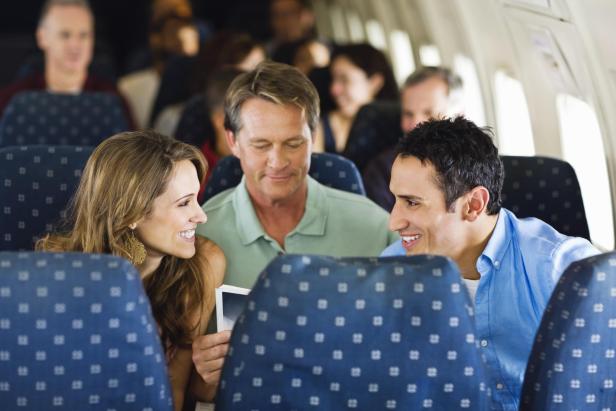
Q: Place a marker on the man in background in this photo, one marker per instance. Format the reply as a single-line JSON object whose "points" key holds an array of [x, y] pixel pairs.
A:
{"points": [[65, 34], [429, 92]]}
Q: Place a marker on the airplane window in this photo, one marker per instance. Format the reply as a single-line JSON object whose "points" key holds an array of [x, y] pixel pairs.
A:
{"points": [[402, 54], [356, 28], [429, 55], [473, 101], [337, 18], [515, 134], [582, 146], [376, 34]]}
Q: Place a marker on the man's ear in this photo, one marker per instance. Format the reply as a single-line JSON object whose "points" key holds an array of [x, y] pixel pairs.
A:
{"points": [[232, 142], [476, 203]]}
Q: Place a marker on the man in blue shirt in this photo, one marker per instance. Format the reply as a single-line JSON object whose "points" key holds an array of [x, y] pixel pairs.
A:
{"points": [[447, 180]]}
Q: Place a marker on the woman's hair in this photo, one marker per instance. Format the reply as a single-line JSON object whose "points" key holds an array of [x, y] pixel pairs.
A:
{"points": [[121, 180], [371, 61]]}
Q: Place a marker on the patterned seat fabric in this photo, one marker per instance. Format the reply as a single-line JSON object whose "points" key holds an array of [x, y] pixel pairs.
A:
{"points": [[355, 333], [573, 363], [102, 65], [194, 126], [328, 169], [375, 128], [40, 117], [545, 188], [36, 184], [77, 333]]}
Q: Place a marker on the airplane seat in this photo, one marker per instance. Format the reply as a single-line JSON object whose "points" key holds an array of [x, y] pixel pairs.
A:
{"points": [[355, 333], [545, 188], [40, 117], [572, 365], [77, 332], [193, 126], [328, 169], [375, 128], [102, 66], [36, 185]]}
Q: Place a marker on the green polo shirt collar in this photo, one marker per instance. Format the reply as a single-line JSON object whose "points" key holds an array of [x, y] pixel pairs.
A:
{"points": [[250, 229]]}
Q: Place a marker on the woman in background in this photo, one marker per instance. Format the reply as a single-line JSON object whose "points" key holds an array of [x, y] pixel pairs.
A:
{"points": [[137, 199], [360, 75]]}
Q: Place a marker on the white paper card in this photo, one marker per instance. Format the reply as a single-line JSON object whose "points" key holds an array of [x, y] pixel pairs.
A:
{"points": [[230, 302]]}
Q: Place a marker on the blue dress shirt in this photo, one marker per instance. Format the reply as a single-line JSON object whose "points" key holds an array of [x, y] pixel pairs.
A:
{"points": [[519, 268]]}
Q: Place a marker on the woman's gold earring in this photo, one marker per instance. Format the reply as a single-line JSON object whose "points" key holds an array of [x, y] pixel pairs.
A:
{"points": [[136, 249]]}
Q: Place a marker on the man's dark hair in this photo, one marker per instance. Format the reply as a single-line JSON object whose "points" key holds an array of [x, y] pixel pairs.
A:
{"points": [[463, 156], [450, 78]]}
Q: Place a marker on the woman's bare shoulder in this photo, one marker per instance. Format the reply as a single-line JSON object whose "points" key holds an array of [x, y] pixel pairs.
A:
{"points": [[215, 259]]}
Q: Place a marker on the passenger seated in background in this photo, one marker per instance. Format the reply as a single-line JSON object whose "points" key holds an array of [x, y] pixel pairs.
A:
{"points": [[360, 75], [447, 179], [290, 21], [305, 54], [215, 145], [137, 199], [223, 50], [173, 32], [426, 94], [311, 54], [65, 34], [270, 116]]}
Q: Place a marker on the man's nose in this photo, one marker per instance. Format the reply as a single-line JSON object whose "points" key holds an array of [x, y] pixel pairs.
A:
{"points": [[277, 158], [396, 222]]}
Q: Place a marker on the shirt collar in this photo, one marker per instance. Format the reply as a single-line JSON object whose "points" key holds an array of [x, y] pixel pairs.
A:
{"points": [[499, 240], [315, 215], [249, 227]]}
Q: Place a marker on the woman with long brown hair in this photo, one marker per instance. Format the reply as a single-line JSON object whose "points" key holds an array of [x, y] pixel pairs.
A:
{"points": [[137, 199]]}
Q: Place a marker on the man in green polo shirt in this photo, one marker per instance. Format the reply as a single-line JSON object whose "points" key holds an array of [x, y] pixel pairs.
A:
{"points": [[271, 114]]}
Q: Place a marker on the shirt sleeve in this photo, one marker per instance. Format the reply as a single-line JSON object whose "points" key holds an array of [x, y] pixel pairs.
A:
{"points": [[569, 251]]}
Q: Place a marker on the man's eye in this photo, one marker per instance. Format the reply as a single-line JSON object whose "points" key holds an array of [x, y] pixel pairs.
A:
{"points": [[184, 203]]}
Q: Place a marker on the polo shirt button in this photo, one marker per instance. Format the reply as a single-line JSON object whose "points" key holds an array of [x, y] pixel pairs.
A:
{"points": [[499, 386], [496, 263], [484, 343]]}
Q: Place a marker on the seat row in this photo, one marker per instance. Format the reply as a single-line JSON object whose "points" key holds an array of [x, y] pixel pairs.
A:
{"points": [[37, 182], [76, 332], [40, 117]]}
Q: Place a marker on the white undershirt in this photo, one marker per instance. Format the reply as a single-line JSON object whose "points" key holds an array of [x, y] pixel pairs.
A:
{"points": [[472, 288]]}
